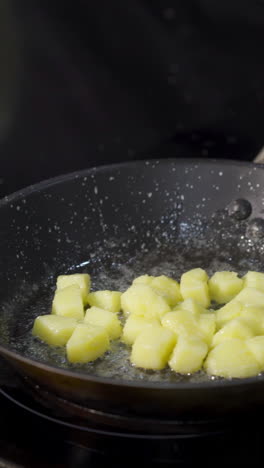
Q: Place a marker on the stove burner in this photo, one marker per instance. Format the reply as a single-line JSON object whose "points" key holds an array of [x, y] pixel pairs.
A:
{"points": [[81, 437], [73, 446], [72, 415]]}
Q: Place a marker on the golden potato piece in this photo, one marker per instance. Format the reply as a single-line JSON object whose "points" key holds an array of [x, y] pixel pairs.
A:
{"points": [[192, 306], [83, 280], [247, 297], [163, 285], [141, 299], [167, 287], [224, 286], [236, 328], [152, 348], [108, 300], [105, 319], [254, 279], [228, 312], [250, 297], [188, 355], [256, 346], [134, 326], [254, 317], [196, 273], [181, 322], [68, 302], [54, 329], [87, 343], [194, 285], [207, 326], [232, 358], [143, 279]]}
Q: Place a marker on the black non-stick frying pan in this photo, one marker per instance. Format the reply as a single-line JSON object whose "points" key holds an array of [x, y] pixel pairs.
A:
{"points": [[117, 222]]}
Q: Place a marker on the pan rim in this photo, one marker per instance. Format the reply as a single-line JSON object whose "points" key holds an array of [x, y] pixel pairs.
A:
{"points": [[190, 386], [115, 166], [144, 384]]}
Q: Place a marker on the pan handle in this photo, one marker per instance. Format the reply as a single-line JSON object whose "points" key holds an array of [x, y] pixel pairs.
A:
{"points": [[259, 159]]}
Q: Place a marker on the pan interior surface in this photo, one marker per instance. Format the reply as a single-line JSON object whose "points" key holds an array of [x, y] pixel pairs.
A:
{"points": [[117, 223]]}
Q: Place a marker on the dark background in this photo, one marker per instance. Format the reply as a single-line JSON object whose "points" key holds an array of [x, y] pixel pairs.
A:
{"points": [[84, 83]]}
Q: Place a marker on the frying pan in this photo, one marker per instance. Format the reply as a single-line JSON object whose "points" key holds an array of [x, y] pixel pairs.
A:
{"points": [[116, 222]]}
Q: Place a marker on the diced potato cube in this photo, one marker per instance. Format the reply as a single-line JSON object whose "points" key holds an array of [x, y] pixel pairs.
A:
{"points": [[54, 329], [141, 299], [184, 323], [181, 322], [236, 328], [250, 297], [104, 318], [246, 297], [192, 306], [83, 280], [188, 355], [194, 285], [108, 300], [232, 358], [224, 286], [256, 346], [167, 287], [152, 348], [143, 279], [197, 273], [198, 290], [255, 318], [207, 326], [228, 312], [68, 302], [87, 343], [254, 279], [164, 286], [134, 326]]}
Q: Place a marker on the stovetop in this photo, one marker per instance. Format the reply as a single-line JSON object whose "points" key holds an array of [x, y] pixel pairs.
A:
{"points": [[33, 436]]}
